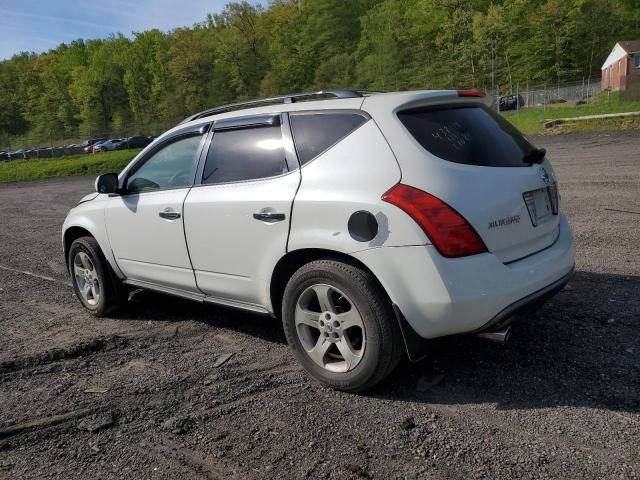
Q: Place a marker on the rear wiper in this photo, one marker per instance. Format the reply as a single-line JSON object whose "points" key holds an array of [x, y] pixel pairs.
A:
{"points": [[536, 155]]}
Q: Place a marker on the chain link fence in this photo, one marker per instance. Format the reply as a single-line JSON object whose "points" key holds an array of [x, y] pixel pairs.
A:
{"points": [[547, 94]]}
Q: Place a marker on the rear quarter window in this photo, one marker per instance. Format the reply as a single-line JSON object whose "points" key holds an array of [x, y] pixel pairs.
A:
{"points": [[314, 133], [470, 135]]}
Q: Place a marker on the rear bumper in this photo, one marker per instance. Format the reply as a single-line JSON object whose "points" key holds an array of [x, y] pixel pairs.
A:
{"points": [[524, 306], [446, 296]]}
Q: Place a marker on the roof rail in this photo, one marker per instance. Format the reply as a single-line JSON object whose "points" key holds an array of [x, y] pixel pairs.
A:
{"points": [[289, 98]]}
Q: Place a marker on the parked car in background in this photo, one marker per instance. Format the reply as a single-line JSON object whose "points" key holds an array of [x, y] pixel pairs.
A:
{"points": [[45, 152], [92, 148], [72, 149], [17, 154], [138, 141], [87, 145], [511, 102], [109, 145], [90, 141]]}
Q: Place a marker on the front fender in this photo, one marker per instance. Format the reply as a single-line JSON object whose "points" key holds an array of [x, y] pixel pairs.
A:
{"points": [[89, 216]]}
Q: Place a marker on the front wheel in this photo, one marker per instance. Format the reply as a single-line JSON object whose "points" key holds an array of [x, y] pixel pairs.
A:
{"points": [[340, 325], [93, 282]]}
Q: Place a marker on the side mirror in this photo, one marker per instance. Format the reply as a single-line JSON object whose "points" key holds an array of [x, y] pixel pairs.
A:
{"points": [[107, 183]]}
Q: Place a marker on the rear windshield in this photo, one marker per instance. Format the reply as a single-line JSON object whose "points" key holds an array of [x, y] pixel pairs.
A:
{"points": [[471, 135]]}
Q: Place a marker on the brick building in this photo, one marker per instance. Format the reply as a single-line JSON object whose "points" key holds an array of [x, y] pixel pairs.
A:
{"points": [[621, 70]]}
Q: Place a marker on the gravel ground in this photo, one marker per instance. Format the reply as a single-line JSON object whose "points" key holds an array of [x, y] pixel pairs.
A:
{"points": [[146, 394]]}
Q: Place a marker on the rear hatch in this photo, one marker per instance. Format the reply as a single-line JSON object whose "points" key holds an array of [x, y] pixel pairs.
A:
{"points": [[485, 169]]}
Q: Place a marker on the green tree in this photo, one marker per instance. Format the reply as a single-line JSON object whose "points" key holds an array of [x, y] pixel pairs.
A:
{"points": [[280, 25], [15, 77], [98, 87], [240, 48], [595, 31], [147, 77], [386, 48], [191, 65]]}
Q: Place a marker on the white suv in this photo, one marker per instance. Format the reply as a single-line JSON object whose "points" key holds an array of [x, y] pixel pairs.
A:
{"points": [[367, 222]]}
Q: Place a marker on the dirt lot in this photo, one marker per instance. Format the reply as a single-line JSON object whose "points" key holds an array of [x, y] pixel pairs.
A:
{"points": [[139, 395]]}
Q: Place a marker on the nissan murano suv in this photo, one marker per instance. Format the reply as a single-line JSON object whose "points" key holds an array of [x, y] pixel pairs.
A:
{"points": [[367, 222]]}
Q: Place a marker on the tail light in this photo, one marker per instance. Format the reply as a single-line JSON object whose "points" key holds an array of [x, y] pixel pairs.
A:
{"points": [[449, 232], [472, 93]]}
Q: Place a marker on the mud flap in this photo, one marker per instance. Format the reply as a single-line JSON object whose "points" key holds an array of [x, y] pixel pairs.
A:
{"points": [[416, 346]]}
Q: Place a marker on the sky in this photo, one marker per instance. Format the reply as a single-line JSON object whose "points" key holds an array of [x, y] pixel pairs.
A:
{"points": [[40, 25]]}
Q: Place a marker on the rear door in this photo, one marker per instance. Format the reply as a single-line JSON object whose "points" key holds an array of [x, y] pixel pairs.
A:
{"points": [[237, 216], [474, 160]]}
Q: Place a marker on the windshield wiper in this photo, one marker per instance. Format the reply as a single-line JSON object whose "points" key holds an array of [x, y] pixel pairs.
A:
{"points": [[536, 155]]}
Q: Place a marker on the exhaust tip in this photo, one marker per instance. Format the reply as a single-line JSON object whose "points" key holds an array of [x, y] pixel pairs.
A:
{"points": [[500, 336]]}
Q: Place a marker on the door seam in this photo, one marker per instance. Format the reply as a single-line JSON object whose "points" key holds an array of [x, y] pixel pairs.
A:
{"points": [[186, 242]]}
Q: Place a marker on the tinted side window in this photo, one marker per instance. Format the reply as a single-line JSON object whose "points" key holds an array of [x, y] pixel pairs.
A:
{"points": [[314, 133], [245, 154], [468, 135], [170, 167]]}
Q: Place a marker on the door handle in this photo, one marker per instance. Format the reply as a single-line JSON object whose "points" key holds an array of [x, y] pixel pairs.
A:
{"points": [[169, 214], [269, 216]]}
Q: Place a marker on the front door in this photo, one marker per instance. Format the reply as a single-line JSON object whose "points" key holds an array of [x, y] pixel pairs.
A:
{"points": [[146, 222]]}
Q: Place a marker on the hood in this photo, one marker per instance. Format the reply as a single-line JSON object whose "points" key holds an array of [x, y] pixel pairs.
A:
{"points": [[88, 197]]}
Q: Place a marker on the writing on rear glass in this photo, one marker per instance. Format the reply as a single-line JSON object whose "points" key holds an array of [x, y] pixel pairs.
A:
{"points": [[452, 134]]}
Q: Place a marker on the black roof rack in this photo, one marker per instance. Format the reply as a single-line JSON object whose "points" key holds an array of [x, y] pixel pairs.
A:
{"points": [[289, 98]]}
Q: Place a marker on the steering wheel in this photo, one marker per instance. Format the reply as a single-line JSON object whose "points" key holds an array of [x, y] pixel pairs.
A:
{"points": [[180, 179], [139, 184]]}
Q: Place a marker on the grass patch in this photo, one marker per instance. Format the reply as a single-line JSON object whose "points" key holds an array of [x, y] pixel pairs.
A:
{"points": [[34, 169], [530, 120]]}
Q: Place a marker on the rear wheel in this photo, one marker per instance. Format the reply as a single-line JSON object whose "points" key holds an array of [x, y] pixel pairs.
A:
{"points": [[340, 325], [94, 283]]}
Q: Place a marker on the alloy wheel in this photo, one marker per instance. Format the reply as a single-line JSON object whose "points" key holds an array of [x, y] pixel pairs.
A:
{"points": [[330, 328], [86, 278]]}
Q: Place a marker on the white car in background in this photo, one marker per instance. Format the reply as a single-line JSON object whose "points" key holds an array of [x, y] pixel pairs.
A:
{"points": [[367, 222]]}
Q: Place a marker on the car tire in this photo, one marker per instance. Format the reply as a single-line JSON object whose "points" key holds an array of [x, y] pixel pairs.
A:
{"points": [[93, 280], [356, 341]]}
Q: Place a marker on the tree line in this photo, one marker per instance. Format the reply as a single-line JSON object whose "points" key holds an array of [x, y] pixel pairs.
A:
{"points": [[154, 77]]}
